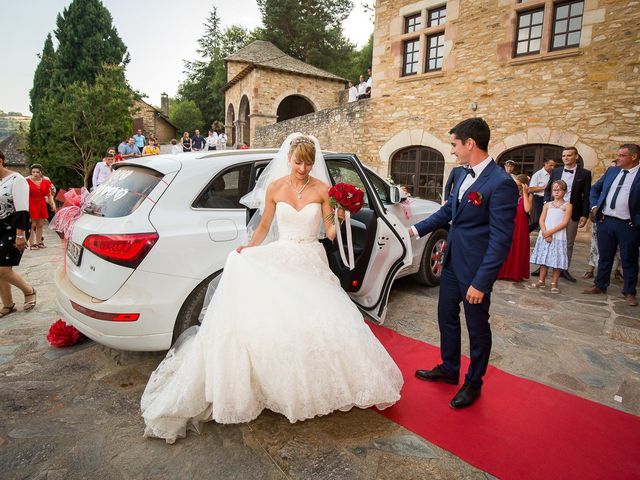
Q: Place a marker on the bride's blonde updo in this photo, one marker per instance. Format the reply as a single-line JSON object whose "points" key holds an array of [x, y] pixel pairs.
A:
{"points": [[304, 148]]}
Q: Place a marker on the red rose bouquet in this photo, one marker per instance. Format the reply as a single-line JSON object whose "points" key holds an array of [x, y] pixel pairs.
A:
{"points": [[351, 199], [62, 335], [346, 196]]}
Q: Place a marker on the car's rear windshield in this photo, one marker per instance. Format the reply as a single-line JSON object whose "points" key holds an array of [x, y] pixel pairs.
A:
{"points": [[123, 192]]}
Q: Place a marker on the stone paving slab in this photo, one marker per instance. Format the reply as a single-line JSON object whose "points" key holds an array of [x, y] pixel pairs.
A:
{"points": [[74, 413]]}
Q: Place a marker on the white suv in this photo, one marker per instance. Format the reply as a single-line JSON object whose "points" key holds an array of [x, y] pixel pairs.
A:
{"points": [[158, 231]]}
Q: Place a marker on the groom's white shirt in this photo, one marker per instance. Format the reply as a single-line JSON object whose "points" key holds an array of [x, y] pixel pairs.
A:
{"points": [[469, 180], [466, 183]]}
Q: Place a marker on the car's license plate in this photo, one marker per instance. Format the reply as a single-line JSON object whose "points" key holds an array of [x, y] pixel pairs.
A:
{"points": [[74, 251]]}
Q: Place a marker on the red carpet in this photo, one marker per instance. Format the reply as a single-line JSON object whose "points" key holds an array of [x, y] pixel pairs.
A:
{"points": [[517, 429]]}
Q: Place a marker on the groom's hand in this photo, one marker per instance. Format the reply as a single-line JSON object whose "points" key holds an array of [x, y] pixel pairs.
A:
{"points": [[474, 296]]}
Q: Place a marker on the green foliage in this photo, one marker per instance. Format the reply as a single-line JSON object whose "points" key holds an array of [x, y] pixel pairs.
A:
{"points": [[206, 77], [185, 115], [310, 30], [88, 120], [87, 39], [80, 99]]}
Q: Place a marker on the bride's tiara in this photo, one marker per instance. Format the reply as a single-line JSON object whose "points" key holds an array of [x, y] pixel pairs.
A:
{"points": [[301, 140]]}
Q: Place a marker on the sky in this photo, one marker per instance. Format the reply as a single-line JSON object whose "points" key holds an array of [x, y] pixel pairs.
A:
{"points": [[159, 35]]}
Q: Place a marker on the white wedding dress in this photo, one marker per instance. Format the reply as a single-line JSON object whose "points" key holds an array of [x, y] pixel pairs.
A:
{"points": [[280, 334]]}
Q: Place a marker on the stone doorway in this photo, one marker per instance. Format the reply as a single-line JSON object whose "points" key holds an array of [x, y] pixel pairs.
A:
{"points": [[294, 106], [421, 170]]}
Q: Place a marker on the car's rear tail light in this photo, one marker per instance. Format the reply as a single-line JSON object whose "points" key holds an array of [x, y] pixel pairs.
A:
{"points": [[109, 317], [127, 250]]}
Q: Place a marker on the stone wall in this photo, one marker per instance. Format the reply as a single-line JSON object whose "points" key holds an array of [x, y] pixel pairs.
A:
{"points": [[153, 123], [588, 96], [266, 88]]}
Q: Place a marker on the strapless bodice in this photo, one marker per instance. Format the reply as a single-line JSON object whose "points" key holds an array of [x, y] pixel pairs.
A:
{"points": [[298, 225]]}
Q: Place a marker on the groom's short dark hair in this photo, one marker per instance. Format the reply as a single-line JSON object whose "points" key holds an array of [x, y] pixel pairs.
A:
{"points": [[475, 128]]}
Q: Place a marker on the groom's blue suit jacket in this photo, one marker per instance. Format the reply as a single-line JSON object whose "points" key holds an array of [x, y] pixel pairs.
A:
{"points": [[479, 236], [600, 190]]}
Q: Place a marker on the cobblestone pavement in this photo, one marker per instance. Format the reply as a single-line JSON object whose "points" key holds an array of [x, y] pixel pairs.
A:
{"points": [[74, 413]]}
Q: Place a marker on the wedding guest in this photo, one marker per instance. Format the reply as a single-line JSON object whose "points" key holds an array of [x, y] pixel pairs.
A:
{"points": [[102, 170], [175, 148], [211, 141], [128, 149], [578, 180], [509, 167], [615, 204], [222, 140], [39, 196], [197, 142], [594, 255], [186, 142], [362, 88], [139, 140], [15, 226], [537, 185], [353, 92], [369, 83], [550, 250], [516, 266], [151, 149]]}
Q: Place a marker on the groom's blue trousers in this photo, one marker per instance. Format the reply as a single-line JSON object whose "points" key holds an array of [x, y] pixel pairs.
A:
{"points": [[452, 292]]}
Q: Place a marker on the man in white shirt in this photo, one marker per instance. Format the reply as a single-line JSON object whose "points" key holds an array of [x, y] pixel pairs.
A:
{"points": [[212, 140], [537, 184], [353, 92], [615, 205], [222, 141], [102, 170], [369, 82], [362, 88]]}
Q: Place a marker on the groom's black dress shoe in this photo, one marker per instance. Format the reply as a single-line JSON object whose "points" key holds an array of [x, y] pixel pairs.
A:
{"points": [[465, 396], [437, 374], [535, 273], [567, 276]]}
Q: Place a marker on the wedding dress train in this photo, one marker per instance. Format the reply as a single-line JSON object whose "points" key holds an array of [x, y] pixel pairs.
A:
{"points": [[279, 334]]}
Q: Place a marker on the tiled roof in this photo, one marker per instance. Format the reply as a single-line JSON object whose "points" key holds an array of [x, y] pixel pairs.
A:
{"points": [[266, 55]]}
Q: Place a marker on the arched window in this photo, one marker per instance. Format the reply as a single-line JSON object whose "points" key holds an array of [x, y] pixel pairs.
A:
{"points": [[293, 106], [421, 169], [529, 158]]}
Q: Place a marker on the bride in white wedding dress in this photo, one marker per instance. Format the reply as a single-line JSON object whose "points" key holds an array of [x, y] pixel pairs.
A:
{"points": [[279, 333]]}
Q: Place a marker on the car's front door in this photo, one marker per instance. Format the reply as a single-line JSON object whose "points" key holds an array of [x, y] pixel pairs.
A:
{"points": [[380, 245]]}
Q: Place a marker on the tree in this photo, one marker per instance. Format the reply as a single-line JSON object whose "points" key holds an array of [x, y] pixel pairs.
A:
{"points": [[89, 119], [87, 39], [310, 30], [206, 77], [40, 91], [185, 115]]}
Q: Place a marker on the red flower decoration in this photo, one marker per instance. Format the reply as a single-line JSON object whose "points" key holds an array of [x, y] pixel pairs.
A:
{"points": [[475, 198], [62, 335], [347, 197]]}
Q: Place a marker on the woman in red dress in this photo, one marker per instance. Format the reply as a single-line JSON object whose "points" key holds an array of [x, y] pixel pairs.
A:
{"points": [[516, 266], [39, 195]]}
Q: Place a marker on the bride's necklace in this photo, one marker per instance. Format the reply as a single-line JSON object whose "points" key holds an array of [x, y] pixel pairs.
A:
{"points": [[299, 192]]}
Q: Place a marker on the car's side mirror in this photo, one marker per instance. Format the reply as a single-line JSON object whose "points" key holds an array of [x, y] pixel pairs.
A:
{"points": [[396, 195]]}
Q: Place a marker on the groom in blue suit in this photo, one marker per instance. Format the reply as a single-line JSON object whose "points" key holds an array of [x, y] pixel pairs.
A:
{"points": [[481, 210], [615, 205]]}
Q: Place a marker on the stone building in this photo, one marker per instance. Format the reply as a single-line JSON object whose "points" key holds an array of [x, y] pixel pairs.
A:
{"points": [[544, 74], [265, 86], [153, 121]]}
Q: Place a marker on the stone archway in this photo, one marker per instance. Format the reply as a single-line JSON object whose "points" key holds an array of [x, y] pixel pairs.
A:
{"points": [[243, 124], [542, 135], [293, 106], [230, 126]]}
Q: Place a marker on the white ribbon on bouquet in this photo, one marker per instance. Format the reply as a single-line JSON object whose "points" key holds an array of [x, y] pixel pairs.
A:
{"points": [[350, 262]]}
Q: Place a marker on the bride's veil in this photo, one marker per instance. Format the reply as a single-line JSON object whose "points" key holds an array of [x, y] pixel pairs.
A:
{"points": [[279, 167]]}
